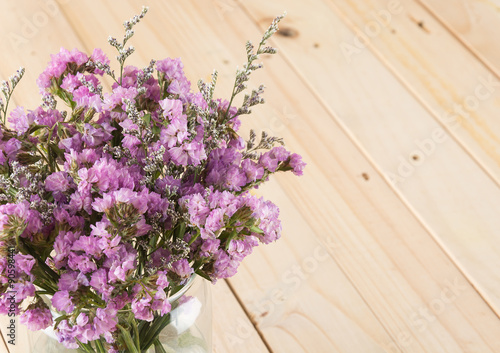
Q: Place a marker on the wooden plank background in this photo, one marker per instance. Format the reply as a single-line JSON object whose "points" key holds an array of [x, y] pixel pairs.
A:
{"points": [[391, 238]]}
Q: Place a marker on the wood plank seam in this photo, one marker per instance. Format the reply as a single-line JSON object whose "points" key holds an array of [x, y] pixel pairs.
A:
{"points": [[365, 153], [379, 56], [3, 340], [461, 40], [414, 93], [250, 317]]}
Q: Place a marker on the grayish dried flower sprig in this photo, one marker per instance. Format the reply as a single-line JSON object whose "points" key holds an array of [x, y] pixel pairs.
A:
{"points": [[266, 143], [7, 87], [90, 86], [146, 74], [48, 101], [123, 52], [243, 75], [207, 89]]}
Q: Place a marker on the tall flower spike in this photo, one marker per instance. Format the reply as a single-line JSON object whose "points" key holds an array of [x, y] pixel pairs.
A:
{"points": [[243, 75], [7, 88]]}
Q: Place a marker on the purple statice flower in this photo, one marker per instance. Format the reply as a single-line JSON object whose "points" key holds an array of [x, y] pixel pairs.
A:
{"points": [[162, 281], [123, 260], [11, 147], [156, 204], [129, 79], [272, 158], [209, 247], [6, 306], [174, 75], [62, 247], [142, 228], [116, 98], [141, 307], [172, 108], [240, 248], [59, 65], [268, 215], [188, 154], [99, 282], [222, 107], [88, 245], [227, 201], [57, 181], [70, 281], [105, 320], [103, 204], [22, 211], [87, 330], [224, 266], [99, 56], [161, 303], [160, 258], [23, 290], [81, 262], [62, 301], [182, 268], [252, 170], [74, 142], [72, 82], [4, 275], [83, 329], [45, 117], [234, 179], [224, 169], [93, 136], [36, 318], [65, 334], [297, 164], [20, 121], [80, 201], [175, 133], [24, 263], [215, 220], [112, 175], [84, 98], [132, 143], [197, 208]]}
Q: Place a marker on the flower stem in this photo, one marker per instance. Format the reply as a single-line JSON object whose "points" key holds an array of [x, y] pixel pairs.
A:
{"points": [[158, 346], [99, 346], [128, 340]]}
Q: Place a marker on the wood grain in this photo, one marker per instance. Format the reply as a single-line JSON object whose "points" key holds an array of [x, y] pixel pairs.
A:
{"points": [[472, 22], [434, 182]]}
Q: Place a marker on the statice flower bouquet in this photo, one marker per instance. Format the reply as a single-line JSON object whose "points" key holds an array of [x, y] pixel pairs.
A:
{"points": [[110, 205]]}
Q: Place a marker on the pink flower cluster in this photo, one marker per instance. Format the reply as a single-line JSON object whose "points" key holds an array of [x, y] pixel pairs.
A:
{"points": [[122, 199]]}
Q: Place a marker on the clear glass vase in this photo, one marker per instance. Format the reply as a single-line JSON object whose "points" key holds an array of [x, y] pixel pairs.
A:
{"points": [[189, 330]]}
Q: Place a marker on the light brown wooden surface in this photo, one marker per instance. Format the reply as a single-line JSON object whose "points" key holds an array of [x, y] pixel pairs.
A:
{"points": [[391, 238]]}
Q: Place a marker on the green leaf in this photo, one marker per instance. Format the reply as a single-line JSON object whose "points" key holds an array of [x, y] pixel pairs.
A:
{"points": [[147, 118], [256, 229], [127, 339], [99, 346], [56, 150], [155, 129], [203, 275], [34, 128], [181, 229], [159, 347]]}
